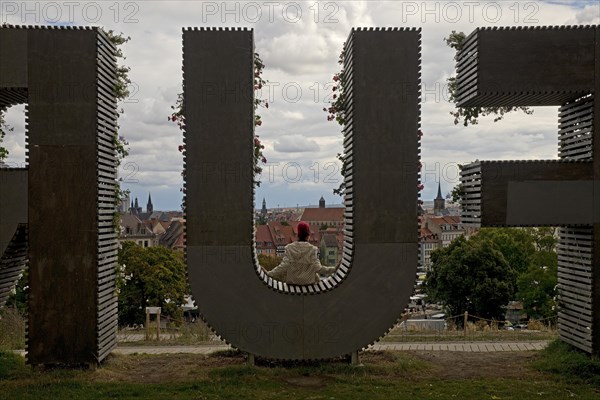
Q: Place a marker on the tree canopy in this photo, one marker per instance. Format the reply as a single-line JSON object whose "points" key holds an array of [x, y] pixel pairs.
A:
{"points": [[268, 262], [150, 277], [537, 286], [516, 245], [482, 274], [473, 276]]}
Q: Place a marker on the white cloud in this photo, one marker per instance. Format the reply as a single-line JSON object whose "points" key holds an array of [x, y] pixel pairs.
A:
{"points": [[295, 144], [304, 53]]}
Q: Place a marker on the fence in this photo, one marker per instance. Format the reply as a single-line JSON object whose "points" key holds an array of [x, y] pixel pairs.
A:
{"points": [[465, 327]]}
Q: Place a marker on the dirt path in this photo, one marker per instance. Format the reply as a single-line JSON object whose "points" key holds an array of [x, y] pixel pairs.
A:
{"points": [[453, 365], [166, 368]]}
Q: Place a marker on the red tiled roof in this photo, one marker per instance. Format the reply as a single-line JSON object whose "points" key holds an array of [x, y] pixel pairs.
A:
{"points": [[426, 235], [324, 214], [448, 219], [281, 234], [165, 224], [263, 234]]}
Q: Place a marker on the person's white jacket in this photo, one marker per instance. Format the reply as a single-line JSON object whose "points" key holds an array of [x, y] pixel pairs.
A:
{"points": [[300, 265]]}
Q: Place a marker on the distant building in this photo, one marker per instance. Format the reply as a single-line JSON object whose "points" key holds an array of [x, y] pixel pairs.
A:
{"points": [[436, 232], [263, 210], [428, 242], [439, 203], [264, 241], [149, 206], [282, 235], [135, 230], [124, 206], [173, 236], [331, 252], [324, 216], [447, 228], [135, 208]]}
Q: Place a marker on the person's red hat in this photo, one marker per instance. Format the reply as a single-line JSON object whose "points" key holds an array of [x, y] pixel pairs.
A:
{"points": [[303, 229]]}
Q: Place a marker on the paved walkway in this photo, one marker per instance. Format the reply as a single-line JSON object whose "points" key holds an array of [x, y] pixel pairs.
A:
{"points": [[475, 347]]}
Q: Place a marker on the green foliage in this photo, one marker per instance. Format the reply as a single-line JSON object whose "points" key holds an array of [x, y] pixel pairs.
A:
{"points": [[12, 366], [268, 262], [471, 275], [336, 111], [150, 277], [516, 245], [121, 89], [570, 363], [457, 193], [12, 329], [544, 238], [18, 299], [470, 115], [530, 276], [342, 187], [537, 286]]}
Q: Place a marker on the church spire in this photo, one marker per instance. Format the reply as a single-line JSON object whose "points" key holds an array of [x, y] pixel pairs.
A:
{"points": [[263, 211], [149, 206], [439, 203]]}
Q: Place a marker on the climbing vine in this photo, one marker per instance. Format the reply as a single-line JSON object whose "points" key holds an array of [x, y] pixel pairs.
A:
{"points": [[470, 115], [3, 129], [121, 92], [335, 111]]}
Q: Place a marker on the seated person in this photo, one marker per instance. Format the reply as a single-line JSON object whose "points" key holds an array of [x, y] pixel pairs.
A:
{"points": [[300, 265]]}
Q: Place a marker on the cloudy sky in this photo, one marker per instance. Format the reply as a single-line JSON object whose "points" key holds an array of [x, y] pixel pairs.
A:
{"points": [[299, 42]]}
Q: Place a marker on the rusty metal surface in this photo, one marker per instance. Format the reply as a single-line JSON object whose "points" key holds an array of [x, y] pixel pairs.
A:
{"points": [[544, 66], [71, 113], [508, 192], [382, 237], [526, 66]]}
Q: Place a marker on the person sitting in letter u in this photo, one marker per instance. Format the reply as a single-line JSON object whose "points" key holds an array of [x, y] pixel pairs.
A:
{"points": [[300, 264]]}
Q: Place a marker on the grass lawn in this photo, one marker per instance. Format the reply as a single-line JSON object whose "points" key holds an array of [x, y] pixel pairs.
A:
{"points": [[555, 373]]}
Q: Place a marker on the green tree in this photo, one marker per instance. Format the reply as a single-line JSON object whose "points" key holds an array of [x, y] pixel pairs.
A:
{"points": [[150, 277], [515, 244], [470, 115], [544, 237], [537, 286], [268, 262], [471, 275]]}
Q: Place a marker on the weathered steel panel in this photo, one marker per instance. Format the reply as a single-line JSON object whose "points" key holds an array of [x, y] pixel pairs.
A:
{"points": [[370, 290], [69, 76], [544, 66], [526, 66]]}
